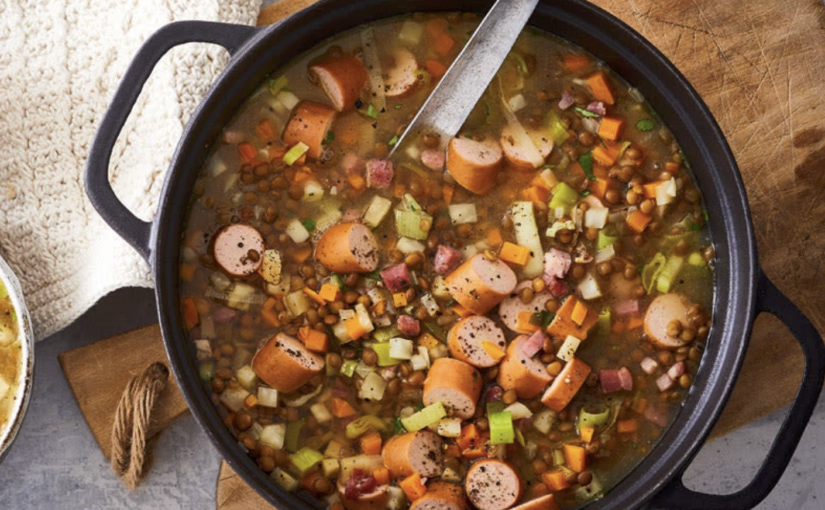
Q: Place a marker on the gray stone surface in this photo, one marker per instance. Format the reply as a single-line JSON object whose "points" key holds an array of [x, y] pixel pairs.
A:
{"points": [[56, 464]]}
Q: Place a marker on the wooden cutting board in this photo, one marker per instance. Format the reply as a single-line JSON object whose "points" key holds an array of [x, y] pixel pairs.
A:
{"points": [[759, 66]]}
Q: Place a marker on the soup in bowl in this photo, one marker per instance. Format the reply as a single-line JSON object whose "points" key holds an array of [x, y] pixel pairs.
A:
{"points": [[512, 321]]}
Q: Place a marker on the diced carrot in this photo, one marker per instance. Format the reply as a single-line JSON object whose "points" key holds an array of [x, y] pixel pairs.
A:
{"points": [[370, 443], [494, 237], [627, 426], [435, 68], [247, 152], [555, 480], [611, 128], [460, 311], [618, 327], [601, 171], [250, 401], [634, 323], [586, 433], [190, 312], [523, 321], [492, 350], [357, 182], [413, 487], [514, 253], [443, 44], [399, 189], [266, 131], [329, 292], [302, 254], [637, 221], [428, 341], [187, 271], [302, 175], [651, 187], [575, 457], [271, 318], [381, 475], [672, 168], [600, 86], [579, 313], [314, 340], [576, 63], [301, 161], [640, 406], [563, 323], [399, 299], [354, 328], [606, 154], [276, 152], [538, 490], [474, 453], [340, 408], [448, 192], [311, 294], [598, 187], [469, 437], [535, 194], [436, 27], [452, 450]]}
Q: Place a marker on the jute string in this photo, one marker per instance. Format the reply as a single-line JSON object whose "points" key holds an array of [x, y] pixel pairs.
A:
{"points": [[130, 434]]}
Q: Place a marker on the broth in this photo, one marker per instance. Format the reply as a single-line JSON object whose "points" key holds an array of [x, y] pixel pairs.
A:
{"points": [[11, 359]]}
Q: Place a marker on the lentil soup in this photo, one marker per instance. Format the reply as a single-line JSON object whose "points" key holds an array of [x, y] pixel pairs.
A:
{"points": [[11, 360], [508, 323]]}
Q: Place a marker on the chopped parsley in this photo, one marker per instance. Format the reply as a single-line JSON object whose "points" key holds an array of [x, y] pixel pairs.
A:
{"points": [[587, 113], [394, 141], [309, 224], [584, 193], [586, 162], [372, 111], [645, 125]]}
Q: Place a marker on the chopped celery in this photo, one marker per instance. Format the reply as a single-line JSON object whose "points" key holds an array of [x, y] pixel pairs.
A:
{"points": [[372, 111], [519, 437], [305, 459], [409, 224], [348, 367], [652, 270], [564, 196], [206, 370], [605, 239], [384, 334], [278, 84], [293, 434], [495, 407], [409, 203], [425, 417], [295, 153], [588, 418], [558, 131], [501, 428], [377, 210], [435, 330], [360, 426], [669, 272], [604, 321], [558, 457], [285, 480]]}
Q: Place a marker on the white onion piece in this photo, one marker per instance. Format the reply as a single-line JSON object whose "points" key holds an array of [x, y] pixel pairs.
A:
{"points": [[373, 64]]}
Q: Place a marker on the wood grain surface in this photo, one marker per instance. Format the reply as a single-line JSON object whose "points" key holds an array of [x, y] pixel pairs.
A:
{"points": [[759, 66]]}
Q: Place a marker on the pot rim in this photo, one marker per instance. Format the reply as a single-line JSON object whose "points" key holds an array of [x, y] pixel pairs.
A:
{"points": [[630, 56]]}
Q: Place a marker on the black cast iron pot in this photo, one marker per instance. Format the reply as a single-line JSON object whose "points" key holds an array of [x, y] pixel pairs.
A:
{"points": [[742, 290]]}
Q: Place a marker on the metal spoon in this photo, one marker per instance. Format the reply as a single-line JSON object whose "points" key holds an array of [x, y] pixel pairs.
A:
{"points": [[462, 86]]}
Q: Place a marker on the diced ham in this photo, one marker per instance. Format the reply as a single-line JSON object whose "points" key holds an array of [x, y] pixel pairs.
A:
{"points": [[609, 380], [408, 325], [657, 415], [597, 107], [433, 159], [351, 164], [379, 173], [591, 125], [677, 370], [627, 307], [566, 100], [388, 373], [223, 315], [359, 483], [557, 263], [626, 379], [446, 258], [649, 365], [534, 344], [664, 382], [558, 288], [396, 277]]}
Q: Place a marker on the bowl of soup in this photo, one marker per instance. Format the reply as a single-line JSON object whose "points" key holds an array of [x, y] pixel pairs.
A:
{"points": [[16, 357], [550, 313]]}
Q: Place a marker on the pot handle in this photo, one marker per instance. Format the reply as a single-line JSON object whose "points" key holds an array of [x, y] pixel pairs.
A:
{"points": [[134, 230], [769, 299]]}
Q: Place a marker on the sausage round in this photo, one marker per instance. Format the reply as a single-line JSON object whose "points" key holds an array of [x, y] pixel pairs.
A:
{"points": [[474, 164], [479, 284], [517, 155], [546, 502], [238, 249], [519, 372], [285, 364], [414, 452], [310, 124], [492, 484], [376, 500], [455, 384], [467, 339], [348, 248], [342, 77], [441, 496], [662, 310], [400, 79], [512, 306]]}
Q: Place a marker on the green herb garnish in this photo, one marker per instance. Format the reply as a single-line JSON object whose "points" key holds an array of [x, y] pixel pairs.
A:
{"points": [[393, 141], [645, 125], [372, 111], [586, 162], [585, 193], [309, 224], [586, 113]]}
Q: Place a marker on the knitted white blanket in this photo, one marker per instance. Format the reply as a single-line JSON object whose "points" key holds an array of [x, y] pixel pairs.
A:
{"points": [[60, 62]]}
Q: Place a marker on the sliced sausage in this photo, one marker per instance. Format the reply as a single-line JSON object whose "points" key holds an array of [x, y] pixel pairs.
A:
{"points": [[546, 502], [238, 249], [517, 155], [479, 284], [566, 385], [366, 496], [414, 452], [493, 484], [512, 306], [474, 164], [455, 384], [520, 372], [433, 159], [348, 248], [476, 340], [441, 496], [285, 364], [310, 124], [400, 76], [661, 312], [342, 77], [563, 324]]}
